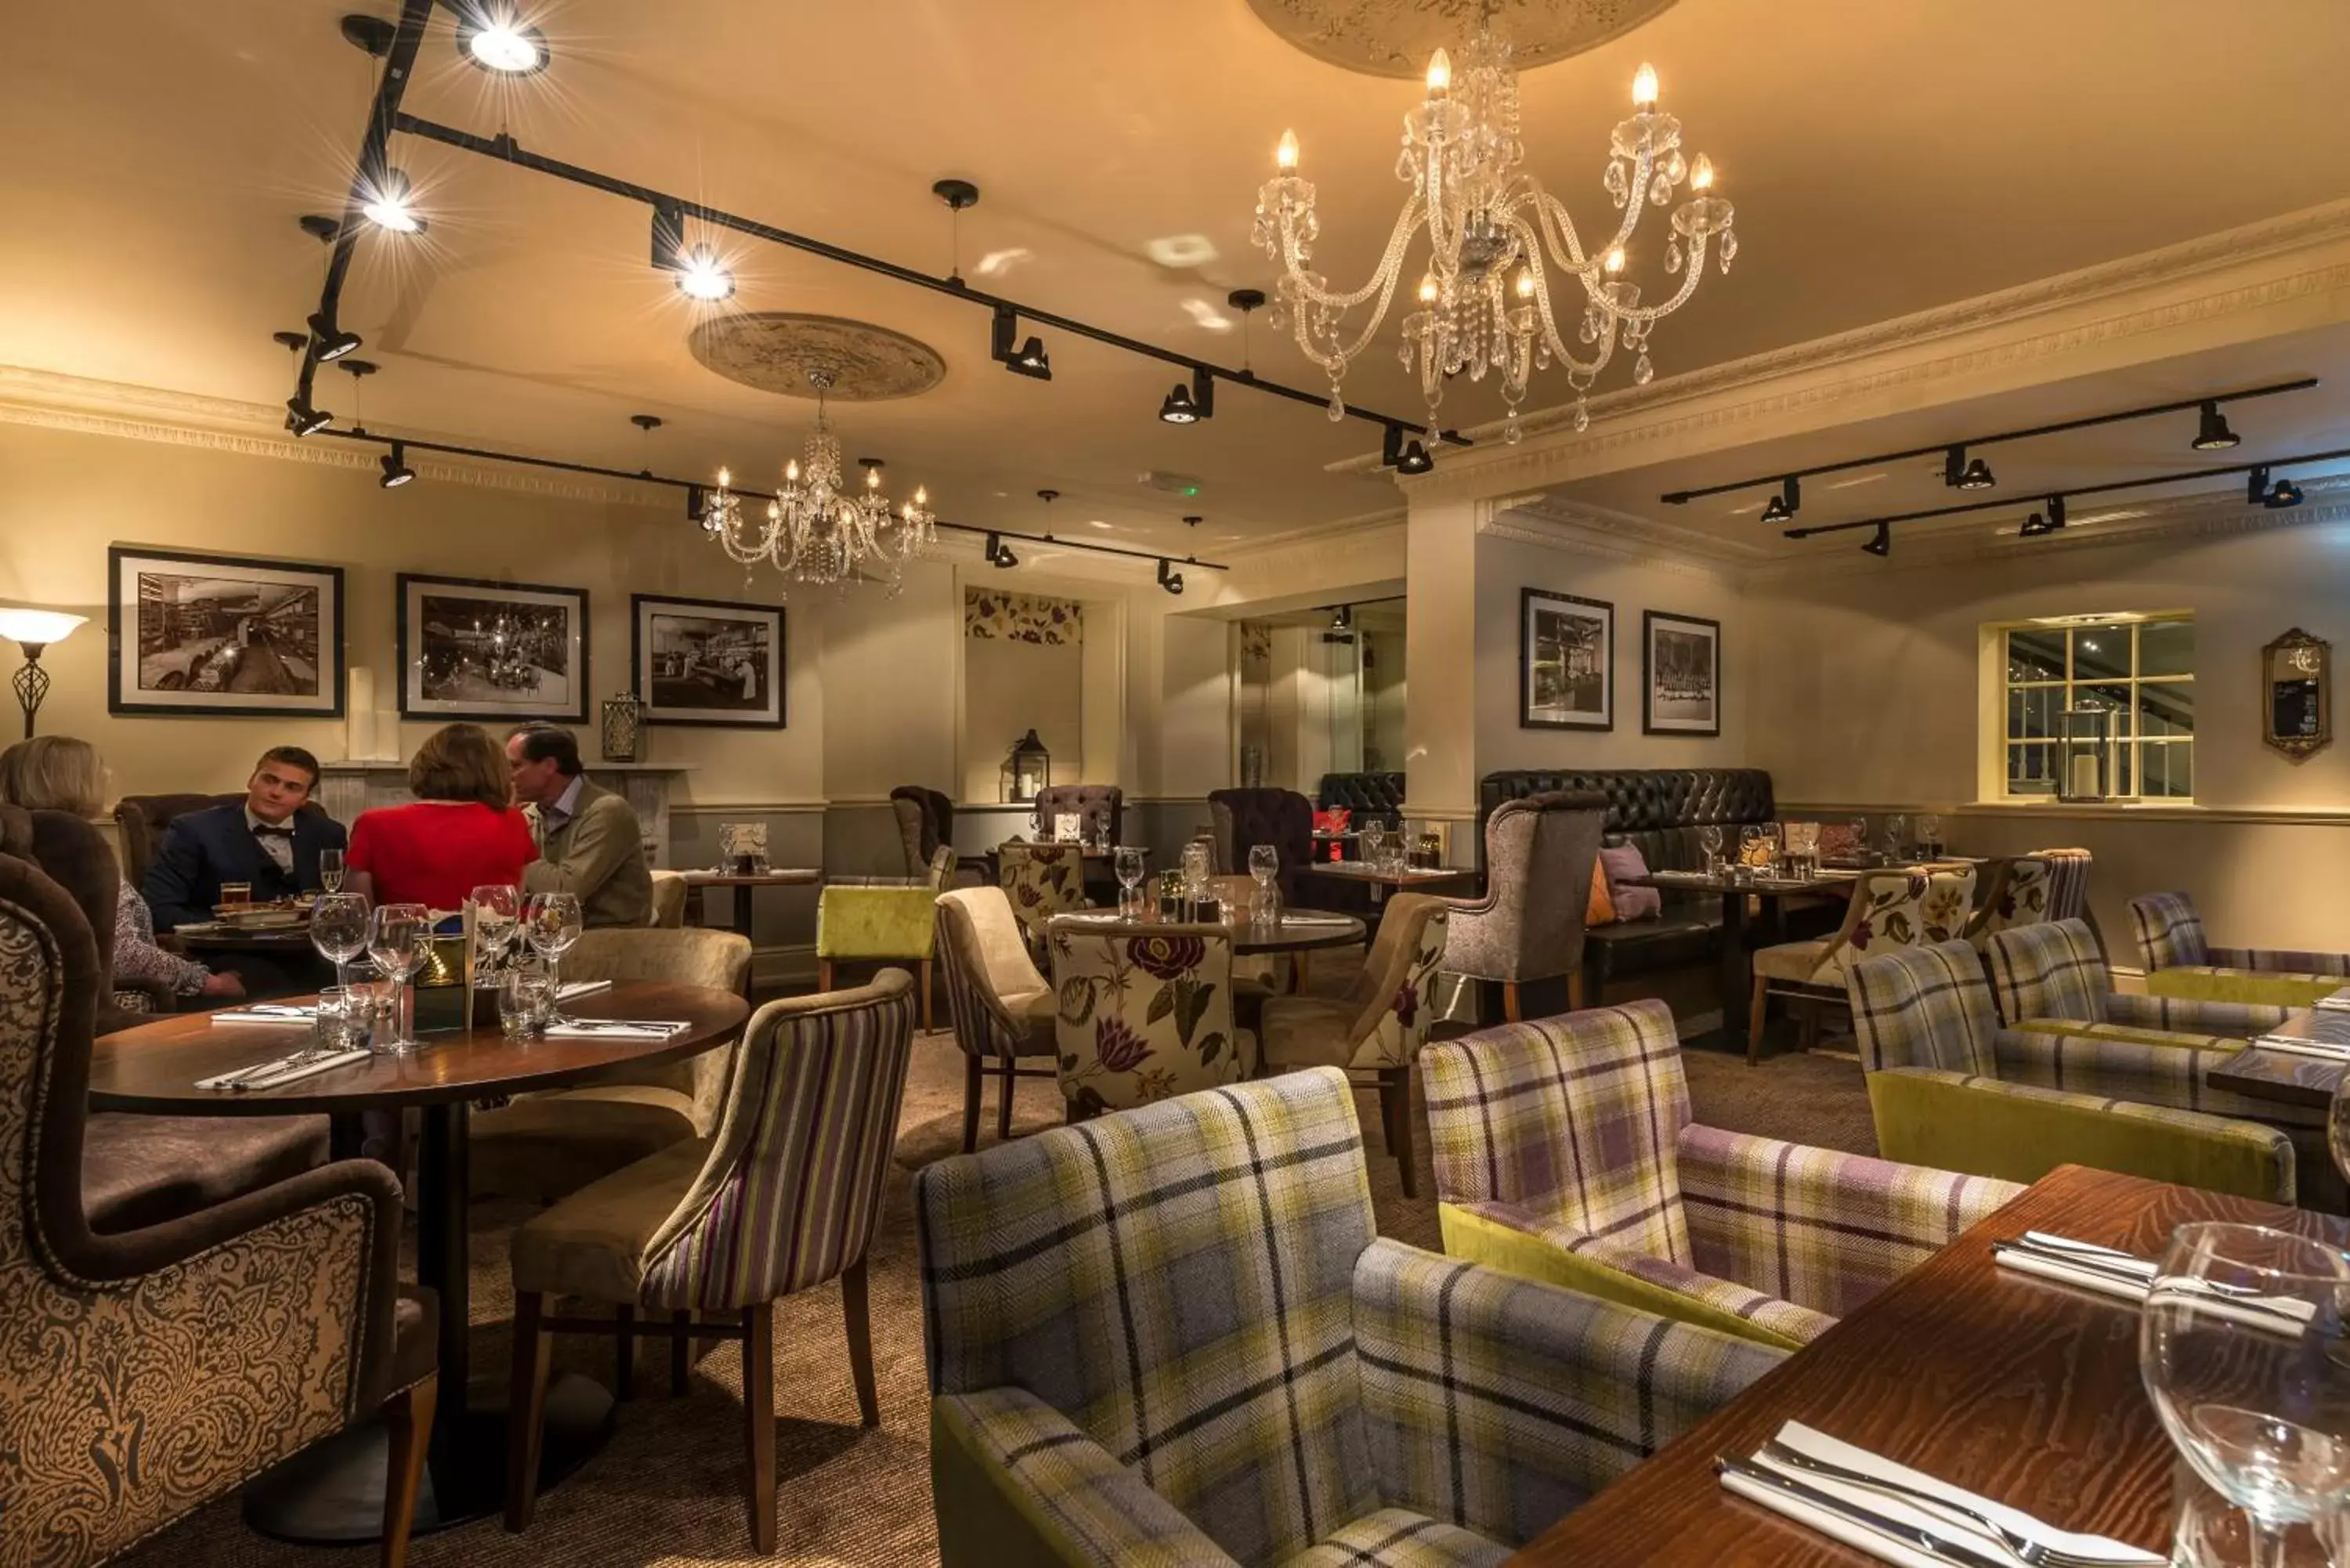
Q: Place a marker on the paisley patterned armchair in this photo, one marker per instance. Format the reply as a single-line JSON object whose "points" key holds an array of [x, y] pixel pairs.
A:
{"points": [[153, 1371], [1042, 880], [1900, 907], [1145, 1012]]}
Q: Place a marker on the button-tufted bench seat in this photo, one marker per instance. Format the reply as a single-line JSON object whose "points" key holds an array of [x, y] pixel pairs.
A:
{"points": [[1367, 795]]}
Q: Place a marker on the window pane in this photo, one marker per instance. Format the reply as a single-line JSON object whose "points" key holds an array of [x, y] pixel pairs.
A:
{"points": [[2167, 648], [2113, 700], [2032, 712], [2035, 656], [2124, 781], [2100, 652], [2030, 770], [2167, 769], [2166, 708]]}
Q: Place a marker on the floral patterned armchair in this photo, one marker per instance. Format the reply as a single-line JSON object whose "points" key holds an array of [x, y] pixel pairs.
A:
{"points": [[1903, 907], [1042, 880], [2019, 893], [1144, 1012]]}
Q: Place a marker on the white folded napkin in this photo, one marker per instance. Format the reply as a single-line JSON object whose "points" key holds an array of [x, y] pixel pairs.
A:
{"points": [[2099, 1270], [615, 1029], [2294, 1046], [1317, 919], [287, 1070], [1949, 1524], [570, 990], [2339, 1002], [286, 1017]]}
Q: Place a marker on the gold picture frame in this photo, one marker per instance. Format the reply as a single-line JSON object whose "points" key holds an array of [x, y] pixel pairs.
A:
{"points": [[2297, 694]]}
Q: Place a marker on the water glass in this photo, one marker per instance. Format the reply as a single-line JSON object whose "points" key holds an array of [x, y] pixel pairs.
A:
{"points": [[339, 929], [1264, 864], [398, 936], [1195, 871], [1374, 841], [331, 870], [343, 1017], [525, 1005]]}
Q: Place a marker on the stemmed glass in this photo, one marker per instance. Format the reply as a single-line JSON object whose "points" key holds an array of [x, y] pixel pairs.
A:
{"points": [[396, 937], [1708, 838], [497, 906], [1264, 864], [1930, 835], [331, 870], [1897, 834], [339, 929], [1128, 862], [1860, 826], [2258, 1400], [1375, 844], [552, 922]]}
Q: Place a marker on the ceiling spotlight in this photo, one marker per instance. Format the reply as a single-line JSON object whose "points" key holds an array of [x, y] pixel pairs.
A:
{"points": [[494, 37], [396, 471], [2212, 433], [333, 342], [1960, 474], [999, 554], [1169, 578], [1787, 502], [1190, 405], [1343, 618], [302, 419], [2259, 492], [1881, 542], [2038, 524], [700, 277], [386, 206], [1402, 456], [1029, 359]]}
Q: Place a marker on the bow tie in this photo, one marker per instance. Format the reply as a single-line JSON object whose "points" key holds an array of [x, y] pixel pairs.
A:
{"points": [[286, 833]]}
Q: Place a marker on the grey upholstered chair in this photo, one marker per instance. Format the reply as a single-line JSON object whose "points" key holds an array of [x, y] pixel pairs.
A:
{"points": [[1539, 853], [925, 821], [1102, 806], [1247, 817]]}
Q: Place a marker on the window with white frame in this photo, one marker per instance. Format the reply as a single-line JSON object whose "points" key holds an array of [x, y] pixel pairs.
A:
{"points": [[2138, 670]]}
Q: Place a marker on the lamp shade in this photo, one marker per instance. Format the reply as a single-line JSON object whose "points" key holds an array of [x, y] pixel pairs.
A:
{"points": [[38, 626]]}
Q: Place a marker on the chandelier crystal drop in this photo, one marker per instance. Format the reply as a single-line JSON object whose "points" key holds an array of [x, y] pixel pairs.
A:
{"points": [[1498, 243], [818, 530]]}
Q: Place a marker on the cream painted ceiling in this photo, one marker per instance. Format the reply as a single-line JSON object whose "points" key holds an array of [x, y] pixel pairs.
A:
{"points": [[1885, 157]]}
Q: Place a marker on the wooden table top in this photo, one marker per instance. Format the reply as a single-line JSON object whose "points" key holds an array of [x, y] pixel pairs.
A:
{"points": [[283, 939], [154, 1067], [1293, 936], [1410, 876], [2022, 1390], [1826, 881], [788, 876], [2289, 1077]]}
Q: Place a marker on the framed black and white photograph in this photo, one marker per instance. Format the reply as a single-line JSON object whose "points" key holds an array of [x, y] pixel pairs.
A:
{"points": [[475, 650], [1681, 674], [227, 636], [1566, 663], [708, 662]]}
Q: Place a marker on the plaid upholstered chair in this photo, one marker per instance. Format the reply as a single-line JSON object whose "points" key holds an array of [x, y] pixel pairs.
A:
{"points": [[154, 1372], [1948, 1087], [2180, 962], [1130, 1364], [1529, 925], [1144, 1012], [2052, 979], [1001, 1006], [1378, 1026], [782, 1199], [1042, 880], [1564, 1152], [1891, 908]]}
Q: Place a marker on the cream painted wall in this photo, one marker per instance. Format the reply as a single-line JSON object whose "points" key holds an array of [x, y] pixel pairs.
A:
{"points": [[1385, 692], [1011, 688], [889, 679]]}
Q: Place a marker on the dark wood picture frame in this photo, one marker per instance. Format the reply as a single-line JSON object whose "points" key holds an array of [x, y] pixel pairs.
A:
{"points": [[331, 661], [771, 715], [1552, 716], [1651, 622], [415, 704]]}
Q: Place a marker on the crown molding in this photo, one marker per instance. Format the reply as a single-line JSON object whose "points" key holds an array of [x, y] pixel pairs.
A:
{"points": [[1559, 525], [1344, 528]]}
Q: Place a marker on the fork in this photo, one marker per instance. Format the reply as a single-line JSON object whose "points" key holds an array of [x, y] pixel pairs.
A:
{"points": [[2033, 1551]]}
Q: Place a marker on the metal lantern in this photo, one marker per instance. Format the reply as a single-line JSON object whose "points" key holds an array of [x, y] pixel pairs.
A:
{"points": [[1027, 770], [2084, 753], [624, 728]]}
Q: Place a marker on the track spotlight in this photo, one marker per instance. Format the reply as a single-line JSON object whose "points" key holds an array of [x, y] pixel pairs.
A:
{"points": [[1787, 502], [492, 36], [2041, 523], [1190, 405], [396, 471], [698, 272], [1960, 474], [1410, 456], [2259, 492], [999, 554], [302, 419], [332, 341], [387, 204], [1169, 578], [1029, 359], [2212, 433], [1343, 618], [1881, 542]]}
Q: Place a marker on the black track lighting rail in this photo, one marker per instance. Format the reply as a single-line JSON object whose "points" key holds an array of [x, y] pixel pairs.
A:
{"points": [[2073, 492], [506, 150], [695, 488], [1942, 448]]}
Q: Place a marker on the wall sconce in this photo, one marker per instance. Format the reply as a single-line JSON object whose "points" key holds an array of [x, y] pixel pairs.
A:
{"points": [[33, 630]]}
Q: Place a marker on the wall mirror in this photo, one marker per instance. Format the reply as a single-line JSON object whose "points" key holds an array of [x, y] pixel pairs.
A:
{"points": [[2297, 693]]}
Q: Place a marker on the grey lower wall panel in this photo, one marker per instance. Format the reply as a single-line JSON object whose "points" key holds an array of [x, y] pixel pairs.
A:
{"points": [[783, 930]]}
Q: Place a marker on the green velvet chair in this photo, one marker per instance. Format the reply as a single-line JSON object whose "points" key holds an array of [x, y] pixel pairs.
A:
{"points": [[2180, 962], [1948, 1087], [877, 925]]}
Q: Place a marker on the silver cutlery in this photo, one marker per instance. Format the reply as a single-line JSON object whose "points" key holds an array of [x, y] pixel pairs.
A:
{"points": [[2035, 1552], [2048, 1242], [1916, 1537], [2122, 1266]]}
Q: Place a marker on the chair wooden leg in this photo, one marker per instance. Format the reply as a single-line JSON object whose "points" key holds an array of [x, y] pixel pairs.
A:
{"points": [[1758, 1008], [858, 1323], [526, 1408], [680, 1354], [624, 1353], [1809, 1035], [759, 1422], [408, 1424], [974, 1075], [1003, 1103], [823, 974], [1575, 991], [925, 983], [1510, 1011], [1395, 1109]]}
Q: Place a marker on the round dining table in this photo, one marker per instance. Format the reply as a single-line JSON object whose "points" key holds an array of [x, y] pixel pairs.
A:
{"points": [[332, 1493], [1298, 931]]}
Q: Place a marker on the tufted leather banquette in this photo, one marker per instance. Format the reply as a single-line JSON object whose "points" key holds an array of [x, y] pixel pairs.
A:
{"points": [[1367, 795]]}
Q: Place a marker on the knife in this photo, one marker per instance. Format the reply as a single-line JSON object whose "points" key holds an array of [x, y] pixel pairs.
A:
{"points": [[1916, 1537]]}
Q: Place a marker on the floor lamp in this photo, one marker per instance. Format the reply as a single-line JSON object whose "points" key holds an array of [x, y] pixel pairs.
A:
{"points": [[33, 630]]}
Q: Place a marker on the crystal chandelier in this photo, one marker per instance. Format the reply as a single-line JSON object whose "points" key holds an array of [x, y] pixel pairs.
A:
{"points": [[817, 531], [1496, 239]]}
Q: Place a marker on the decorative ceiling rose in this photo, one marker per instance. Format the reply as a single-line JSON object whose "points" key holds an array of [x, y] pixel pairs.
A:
{"points": [[1395, 38], [782, 351]]}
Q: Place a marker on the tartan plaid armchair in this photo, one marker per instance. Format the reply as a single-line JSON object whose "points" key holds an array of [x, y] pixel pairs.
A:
{"points": [[2051, 977], [1564, 1152], [1168, 1335], [2180, 962]]}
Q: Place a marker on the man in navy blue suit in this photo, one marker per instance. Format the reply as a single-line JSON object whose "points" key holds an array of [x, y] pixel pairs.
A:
{"points": [[265, 840]]}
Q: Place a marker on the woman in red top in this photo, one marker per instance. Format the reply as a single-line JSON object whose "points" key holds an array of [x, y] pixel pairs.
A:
{"points": [[462, 831]]}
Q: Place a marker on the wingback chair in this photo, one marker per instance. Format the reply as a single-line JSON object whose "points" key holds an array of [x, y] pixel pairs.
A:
{"points": [[1244, 818], [153, 1372], [1102, 806], [925, 821], [1378, 1026], [73, 854], [2052, 978], [1144, 1012], [141, 819], [546, 1144], [1001, 1006], [2016, 891], [2180, 961], [1902, 907], [1130, 1363], [1529, 926], [1566, 1152], [783, 1199], [1042, 880], [668, 910]]}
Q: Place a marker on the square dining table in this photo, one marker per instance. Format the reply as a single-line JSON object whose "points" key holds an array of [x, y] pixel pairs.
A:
{"points": [[1735, 959]]}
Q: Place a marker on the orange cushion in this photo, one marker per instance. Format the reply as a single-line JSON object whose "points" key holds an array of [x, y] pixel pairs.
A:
{"points": [[1601, 909]]}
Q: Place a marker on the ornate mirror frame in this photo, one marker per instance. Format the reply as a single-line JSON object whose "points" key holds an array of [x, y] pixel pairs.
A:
{"points": [[2297, 659]]}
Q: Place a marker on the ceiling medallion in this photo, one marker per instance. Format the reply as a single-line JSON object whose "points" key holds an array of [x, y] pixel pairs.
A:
{"points": [[779, 351], [1496, 239], [1392, 38]]}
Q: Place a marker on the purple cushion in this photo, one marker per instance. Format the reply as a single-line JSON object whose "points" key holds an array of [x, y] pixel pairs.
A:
{"points": [[1631, 903]]}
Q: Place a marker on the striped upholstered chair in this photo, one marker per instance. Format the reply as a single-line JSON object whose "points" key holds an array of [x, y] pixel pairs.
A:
{"points": [[783, 1199], [1564, 1152], [2052, 979], [1129, 1364], [2180, 961], [1001, 1004]]}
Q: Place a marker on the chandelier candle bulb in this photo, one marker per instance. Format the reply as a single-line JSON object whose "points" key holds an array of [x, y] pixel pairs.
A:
{"points": [[1439, 74], [1284, 156], [1644, 87], [1702, 174]]}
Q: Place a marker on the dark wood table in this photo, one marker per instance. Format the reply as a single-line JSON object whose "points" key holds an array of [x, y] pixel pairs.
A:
{"points": [[1735, 960], [1294, 935], [334, 1491], [2022, 1390], [2288, 1077], [283, 939], [793, 877], [1379, 882]]}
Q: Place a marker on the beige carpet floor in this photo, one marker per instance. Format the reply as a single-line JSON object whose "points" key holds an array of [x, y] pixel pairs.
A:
{"points": [[666, 1491]]}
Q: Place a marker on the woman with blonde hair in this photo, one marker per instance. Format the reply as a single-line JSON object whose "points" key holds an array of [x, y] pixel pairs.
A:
{"points": [[58, 773], [462, 831]]}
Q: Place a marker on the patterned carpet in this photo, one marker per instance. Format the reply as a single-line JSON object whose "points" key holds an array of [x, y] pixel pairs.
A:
{"points": [[665, 1491]]}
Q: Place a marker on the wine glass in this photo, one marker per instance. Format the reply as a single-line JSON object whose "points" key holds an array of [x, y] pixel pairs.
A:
{"points": [[1930, 835], [1860, 826], [552, 922], [331, 870], [2258, 1400], [1897, 834], [1128, 863], [497, 906], [1708, 838], [1375, 842], [397, 936], [339, 929], [1748, 837], [1264, 864]]}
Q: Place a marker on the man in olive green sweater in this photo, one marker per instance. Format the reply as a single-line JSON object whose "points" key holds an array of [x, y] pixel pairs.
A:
{"points": [[588, 840]]}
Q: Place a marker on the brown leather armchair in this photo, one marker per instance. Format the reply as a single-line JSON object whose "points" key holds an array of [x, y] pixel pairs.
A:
{"points": [[215, 1345]]}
